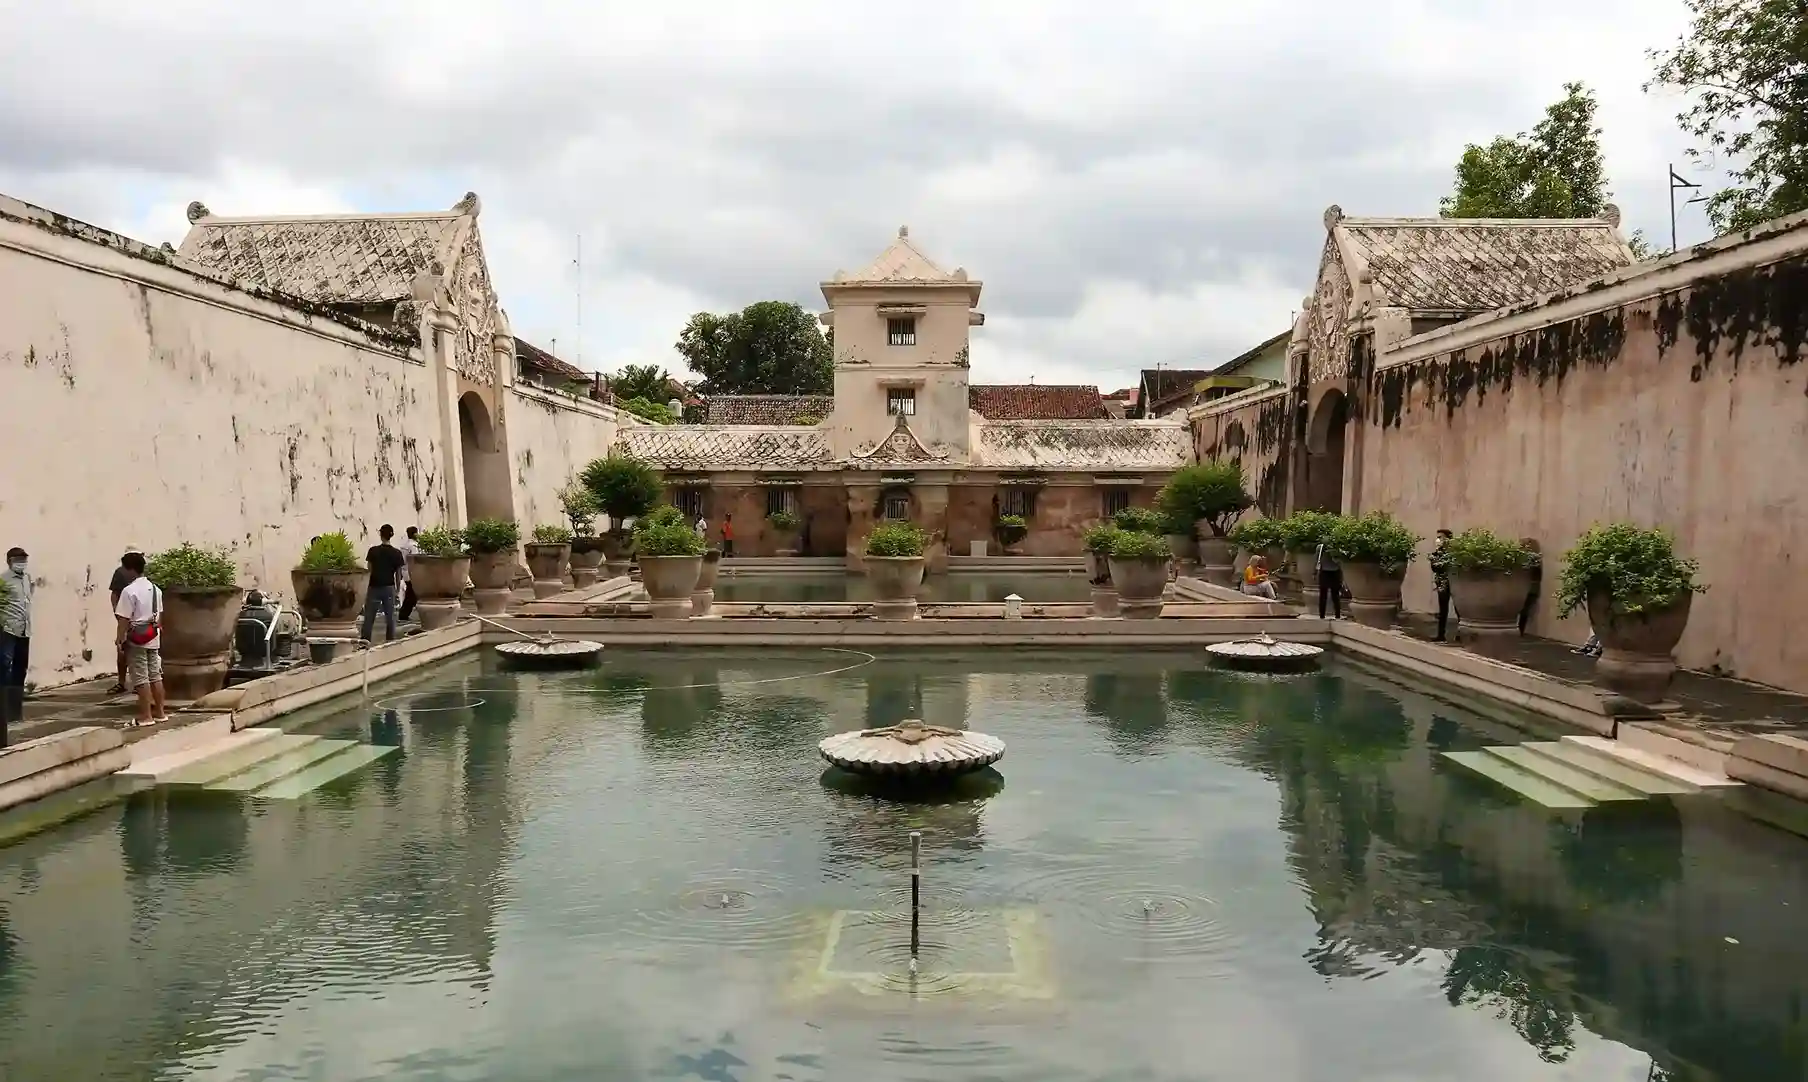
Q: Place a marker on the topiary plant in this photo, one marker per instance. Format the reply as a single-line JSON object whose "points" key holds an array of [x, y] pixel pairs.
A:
{"points": [[1304, 531], [1140, 520], [548, 534], [1257, 535], [661, 517], [1482, 551], [624, 487], [441, 541], [488, 536], [1141, 546], [783, 521], [667, 539], [1099, 536], [1637, 568], [1375, 538], [580, 506], [892, 539], [1212, 491], [190, 567], [330, 552]]}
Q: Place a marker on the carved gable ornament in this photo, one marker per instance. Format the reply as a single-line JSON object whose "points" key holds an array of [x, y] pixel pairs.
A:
{"points": [[901, 446]]}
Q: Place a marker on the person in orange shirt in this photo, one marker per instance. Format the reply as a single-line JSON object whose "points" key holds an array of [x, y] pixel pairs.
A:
{"points": [[728, 537], [1255, 578]]}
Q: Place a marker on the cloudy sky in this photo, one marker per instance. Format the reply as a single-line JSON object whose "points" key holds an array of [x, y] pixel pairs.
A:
{"points": [[1137, 183]]}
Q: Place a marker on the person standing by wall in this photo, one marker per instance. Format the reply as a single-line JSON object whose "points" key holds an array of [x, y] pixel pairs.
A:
{"points": [[1330, 582], [15, 638], [728, 537], [1440, 580], [140, 634], [121, 579], [385, 563], [408, 546]]}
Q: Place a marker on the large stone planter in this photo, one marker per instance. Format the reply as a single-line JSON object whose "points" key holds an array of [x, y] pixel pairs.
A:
{"points": [[438, 581], [196, 639], [1140, 584], [703, 596], [1487, 606], [618, 553], [1186, 552], [784, 542], [547, 562], [1218, 561], [332, 602], [895, 581], [1374, 597], [1638, 653], [669, 582], [1105, 602], [1304, 567], [586, 560], [491, 573]]}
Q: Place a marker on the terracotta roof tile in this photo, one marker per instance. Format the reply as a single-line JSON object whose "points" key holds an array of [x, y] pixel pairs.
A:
{"points": [[766, 409], [1475, 265], [537, 359], [1035, 402]]}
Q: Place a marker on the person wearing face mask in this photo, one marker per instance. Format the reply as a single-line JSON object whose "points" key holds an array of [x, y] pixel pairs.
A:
{"points": [[15, 639]]}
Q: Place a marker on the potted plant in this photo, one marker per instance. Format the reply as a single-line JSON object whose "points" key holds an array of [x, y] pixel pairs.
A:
{"points": [[581, 508], [1097, 542], [784, 526], [670, 553], [1010, 529], [330, 584], [546, 556], [437, 569], [1260, 537], [1177, 529], [1489, 578], [1637, 592], [894, 566], [1139, 569], [1374, 550], [201, 600], [625, 488], [1301, 534], [1213, 494], [492, 543]]}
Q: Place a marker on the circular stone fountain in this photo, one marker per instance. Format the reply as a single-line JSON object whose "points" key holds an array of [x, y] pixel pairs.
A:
{"points": [[1265, 654], [550, 653], [912, 750]]}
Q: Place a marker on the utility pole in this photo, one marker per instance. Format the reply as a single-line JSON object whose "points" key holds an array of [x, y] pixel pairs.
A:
{"points": [[1675, 183]]}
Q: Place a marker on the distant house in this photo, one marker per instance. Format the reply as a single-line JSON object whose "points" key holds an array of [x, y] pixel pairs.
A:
{"points": [[536, 366], [1265, 364], [1036, 402], [1162, 391]]}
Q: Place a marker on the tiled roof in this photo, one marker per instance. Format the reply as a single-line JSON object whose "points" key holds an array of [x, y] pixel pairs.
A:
{"points": [[534, 357], [344, 259], [767, 409], [902, 262], [1474, 264], [1162, 382], [1230, 367], [726, 447], [1035, 402], [1098, 446]]}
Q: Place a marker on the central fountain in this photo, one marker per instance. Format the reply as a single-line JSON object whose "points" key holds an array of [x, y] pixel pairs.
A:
{"points": [[911, 751]]}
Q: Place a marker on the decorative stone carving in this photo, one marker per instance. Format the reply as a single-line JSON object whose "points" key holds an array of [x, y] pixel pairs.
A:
{"points": [[1329, 316], [407, 314], [1611, 215], [197, 211], [470, 204], [1333, 215], [476, 305]]}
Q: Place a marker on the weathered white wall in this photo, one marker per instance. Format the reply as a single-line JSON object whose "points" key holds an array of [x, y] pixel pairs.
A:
{"points": [[866, 364], [551, 437], [143, 404]]}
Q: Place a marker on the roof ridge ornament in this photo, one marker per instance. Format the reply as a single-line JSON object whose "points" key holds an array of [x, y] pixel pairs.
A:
{"points": [[197, 210], [470, 204], [903, 232]]}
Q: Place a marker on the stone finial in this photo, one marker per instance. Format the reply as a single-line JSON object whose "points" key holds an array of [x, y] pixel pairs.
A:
{"points": [[197, 211], [1333, 215], [167, 248], [470, 204], [1611, 215], [903, 232]]}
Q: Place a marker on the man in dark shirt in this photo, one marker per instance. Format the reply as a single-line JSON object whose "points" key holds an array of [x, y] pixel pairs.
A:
{"points": [[121, 579], [386, 563]]}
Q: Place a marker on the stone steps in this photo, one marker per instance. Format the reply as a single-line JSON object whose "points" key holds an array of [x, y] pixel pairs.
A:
{"points": [[234, 744], [1582, 771], [225, 764], [1683, 773], [1595, 788], [1519, 780], [1611, 768], [296, 759], [326, 771]]}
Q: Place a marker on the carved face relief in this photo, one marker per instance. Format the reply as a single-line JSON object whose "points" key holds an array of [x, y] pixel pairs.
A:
{"points": [[1330, 316]]}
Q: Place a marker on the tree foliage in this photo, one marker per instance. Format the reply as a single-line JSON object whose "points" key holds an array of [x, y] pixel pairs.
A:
{"points": [[772, 347], [648, 381], [1556, 171], [657, 412], [1744, 66]]}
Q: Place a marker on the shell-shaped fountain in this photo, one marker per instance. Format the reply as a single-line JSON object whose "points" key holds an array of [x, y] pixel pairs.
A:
{"points": [[911, 749], [550, 653], [1265, 653]]}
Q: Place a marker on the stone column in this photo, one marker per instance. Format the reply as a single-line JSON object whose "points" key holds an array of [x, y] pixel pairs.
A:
{"points": [[502, 357], [932, 511], [861, 499], [438, 323]]}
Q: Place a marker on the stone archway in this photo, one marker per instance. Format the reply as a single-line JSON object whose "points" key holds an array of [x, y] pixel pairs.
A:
{"points": [[1326, 431], [487, 492]]}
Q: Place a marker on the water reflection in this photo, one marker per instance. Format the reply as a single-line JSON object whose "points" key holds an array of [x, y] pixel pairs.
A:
{"points": [[1133, 708]]}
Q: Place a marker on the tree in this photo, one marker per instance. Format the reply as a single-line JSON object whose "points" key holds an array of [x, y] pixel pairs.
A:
{"points": [[1744, 64], [1557, 171], [772, 347], [648, 381], [657, 412]]}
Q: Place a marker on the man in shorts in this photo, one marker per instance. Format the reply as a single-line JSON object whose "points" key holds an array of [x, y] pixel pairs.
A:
{"points": [[140, 634]]}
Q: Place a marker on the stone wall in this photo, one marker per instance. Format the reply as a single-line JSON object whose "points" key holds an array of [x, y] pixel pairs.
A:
{"points": [[1666, 395], [146, 404], [551, 437], [1253, 429], [1062, 509]]}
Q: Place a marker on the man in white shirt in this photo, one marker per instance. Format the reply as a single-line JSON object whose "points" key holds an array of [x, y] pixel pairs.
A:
{"points": [[410, 545], [15, 638], [140, 615]]}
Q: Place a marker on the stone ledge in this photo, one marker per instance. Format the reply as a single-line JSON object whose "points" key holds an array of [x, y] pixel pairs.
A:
{"points": [[1778, 762], [807, 631], [49, 764]]}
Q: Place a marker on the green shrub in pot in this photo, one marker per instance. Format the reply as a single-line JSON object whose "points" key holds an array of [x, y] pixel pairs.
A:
{"points": [[624, 487], [896, 539], [668, 539], [1637, 569], [1256, 536], [1210, 491], [1141, 520], [191, 567], [330, 552], [440, 541], [660, 517], [783, 521], [488, 536], [549, 534], [1376, 538], [1480, 550], [1137, 545]]}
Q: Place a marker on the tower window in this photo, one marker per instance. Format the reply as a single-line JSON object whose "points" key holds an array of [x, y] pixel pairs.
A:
{"points": [[901, 330], [901, 401]]}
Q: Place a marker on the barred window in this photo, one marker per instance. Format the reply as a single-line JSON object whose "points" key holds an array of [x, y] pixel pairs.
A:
{"points": [[901, 330], [1116, 499], [901, 400], [897, 506], [689, 501], [1018, 501], [782, 498]]}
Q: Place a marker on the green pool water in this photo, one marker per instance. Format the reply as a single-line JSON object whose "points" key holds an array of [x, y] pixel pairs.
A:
{"points": [[1033, 587], [645, 872]]}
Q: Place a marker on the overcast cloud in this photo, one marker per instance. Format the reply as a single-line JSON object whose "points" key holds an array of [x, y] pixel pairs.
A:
{"points": [[1136, 183]]}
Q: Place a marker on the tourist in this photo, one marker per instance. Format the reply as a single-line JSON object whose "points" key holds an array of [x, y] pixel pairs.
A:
{"points": [[1440, 580], [1534, 564], [15, 638], [121, 579], [702, 527], [1255, 578], [1330, 582], [386, 563], [409, 546], [140, 634], [728, 537]]}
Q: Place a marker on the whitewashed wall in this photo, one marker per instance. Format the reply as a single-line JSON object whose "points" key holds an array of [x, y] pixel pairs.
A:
{"points": [[551, 437]]}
